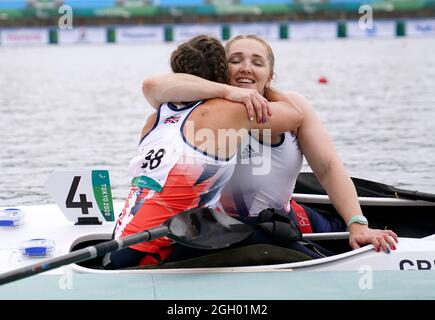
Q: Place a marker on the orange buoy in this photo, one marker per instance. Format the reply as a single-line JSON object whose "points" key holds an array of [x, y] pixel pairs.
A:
{"points": [[323, 80]]}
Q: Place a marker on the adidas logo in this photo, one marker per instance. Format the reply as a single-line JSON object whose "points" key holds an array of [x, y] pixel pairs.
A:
{"points": [[249, 152]]}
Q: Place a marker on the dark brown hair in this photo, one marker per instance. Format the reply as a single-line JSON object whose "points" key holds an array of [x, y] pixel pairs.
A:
{"points": [[202, 56]]}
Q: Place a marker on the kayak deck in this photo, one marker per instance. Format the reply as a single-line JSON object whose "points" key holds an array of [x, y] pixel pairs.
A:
{"points": [[47, 221]]}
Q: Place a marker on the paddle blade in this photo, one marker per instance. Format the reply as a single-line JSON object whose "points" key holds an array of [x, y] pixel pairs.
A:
{"points": [[204, 228]]}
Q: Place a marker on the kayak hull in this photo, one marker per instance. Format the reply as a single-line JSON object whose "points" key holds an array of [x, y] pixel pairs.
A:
{"points": [[250, 282]]}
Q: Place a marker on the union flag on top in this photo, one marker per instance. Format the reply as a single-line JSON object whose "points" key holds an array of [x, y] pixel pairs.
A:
{"points": [[172, 119]]}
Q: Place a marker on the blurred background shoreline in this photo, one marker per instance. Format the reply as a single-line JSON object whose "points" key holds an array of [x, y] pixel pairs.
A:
{"points": [[137, 12], [33, 22]]}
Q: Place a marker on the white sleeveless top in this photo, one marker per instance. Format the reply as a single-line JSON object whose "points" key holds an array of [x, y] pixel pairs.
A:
{"points": [[169, 176], [264, 177], [164, 150]]}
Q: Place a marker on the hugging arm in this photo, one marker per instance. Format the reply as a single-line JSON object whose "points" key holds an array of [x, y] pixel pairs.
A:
{"points": [[185, 87], [231, 115], [219, 126], [322, 157]]}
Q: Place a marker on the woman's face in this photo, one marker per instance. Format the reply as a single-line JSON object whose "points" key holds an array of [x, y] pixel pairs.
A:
{"points": [[248, 64]]}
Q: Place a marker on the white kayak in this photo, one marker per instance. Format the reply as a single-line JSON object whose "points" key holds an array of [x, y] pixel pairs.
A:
{"points": [[48, 222]]}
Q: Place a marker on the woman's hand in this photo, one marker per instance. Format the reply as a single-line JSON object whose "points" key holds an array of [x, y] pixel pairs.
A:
{"points": [[381, 239], [255, 103]]}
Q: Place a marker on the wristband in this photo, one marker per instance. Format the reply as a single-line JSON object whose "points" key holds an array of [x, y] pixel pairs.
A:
{"points": [[360, 219]]}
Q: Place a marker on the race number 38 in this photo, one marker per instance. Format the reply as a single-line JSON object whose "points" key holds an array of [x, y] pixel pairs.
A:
{"points": [[153, 159], [82, 194]]}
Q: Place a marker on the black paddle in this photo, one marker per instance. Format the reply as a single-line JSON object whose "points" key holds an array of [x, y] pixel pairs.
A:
{"points": [[199, 228], [307, 183]]}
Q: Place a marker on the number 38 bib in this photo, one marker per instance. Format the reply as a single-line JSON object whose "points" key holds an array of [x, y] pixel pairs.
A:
{"points": [[161, 148]]}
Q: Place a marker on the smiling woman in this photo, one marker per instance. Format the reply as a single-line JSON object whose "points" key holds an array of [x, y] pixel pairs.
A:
{"points": [[171, 171], [250, 66], [364, 113]]}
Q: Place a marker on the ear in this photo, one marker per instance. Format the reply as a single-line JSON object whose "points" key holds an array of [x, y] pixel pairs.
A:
{"points": [[268, 83]]}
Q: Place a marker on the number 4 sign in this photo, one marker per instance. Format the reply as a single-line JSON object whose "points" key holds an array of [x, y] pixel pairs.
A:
{"points": [[84, 197]]}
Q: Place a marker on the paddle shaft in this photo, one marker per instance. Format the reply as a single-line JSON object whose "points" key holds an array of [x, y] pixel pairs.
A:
{"points": [[415, 195], [392, 191], [326, 236], [308, 183], [83, 254]]}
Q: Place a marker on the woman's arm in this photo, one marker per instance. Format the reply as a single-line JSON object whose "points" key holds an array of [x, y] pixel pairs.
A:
{"points": [[186, 87], [321, 155], [218, 126], [218, 114], [273, 95]]}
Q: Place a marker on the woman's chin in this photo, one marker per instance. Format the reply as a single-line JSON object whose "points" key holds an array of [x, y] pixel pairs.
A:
{"points": [[246, 86]]}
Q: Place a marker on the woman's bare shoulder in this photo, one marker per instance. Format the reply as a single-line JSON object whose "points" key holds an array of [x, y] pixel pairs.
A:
{"points": [[222, 102], [299, 99], [219, 106], [296, 96]]}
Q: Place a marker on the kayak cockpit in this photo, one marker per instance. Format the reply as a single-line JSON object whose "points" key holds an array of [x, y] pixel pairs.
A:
{"points": [[252, 255]]}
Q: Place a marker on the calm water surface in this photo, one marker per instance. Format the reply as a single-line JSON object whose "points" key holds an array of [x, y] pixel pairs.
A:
{"points": [[69, 107]]}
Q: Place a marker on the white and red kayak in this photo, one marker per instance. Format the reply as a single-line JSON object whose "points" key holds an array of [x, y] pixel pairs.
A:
{"points": [[58, 234]]}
